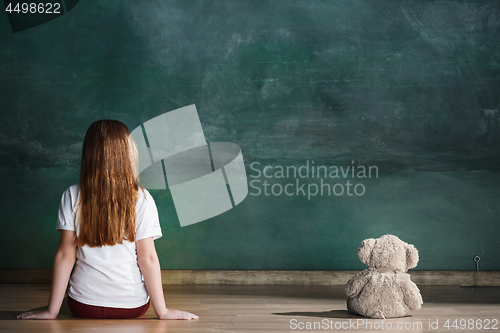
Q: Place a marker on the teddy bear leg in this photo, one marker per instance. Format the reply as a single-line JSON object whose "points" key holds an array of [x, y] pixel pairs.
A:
{"points": [[350, 306], [377, 315], [354, 307]]}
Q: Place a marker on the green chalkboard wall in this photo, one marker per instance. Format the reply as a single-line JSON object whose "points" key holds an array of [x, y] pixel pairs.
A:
{"points": [[409, 88]]}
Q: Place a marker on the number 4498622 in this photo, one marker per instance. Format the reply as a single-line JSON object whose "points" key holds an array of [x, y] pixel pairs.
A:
{"points": [[35, 8], [472, 324]]}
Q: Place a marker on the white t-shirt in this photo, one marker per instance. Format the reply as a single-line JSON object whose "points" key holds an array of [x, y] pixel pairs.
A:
{"points": [[109, 275]]}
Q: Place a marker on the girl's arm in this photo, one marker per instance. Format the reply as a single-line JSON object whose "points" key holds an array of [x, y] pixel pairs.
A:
{"points": [[61, 270], [150, 269]]}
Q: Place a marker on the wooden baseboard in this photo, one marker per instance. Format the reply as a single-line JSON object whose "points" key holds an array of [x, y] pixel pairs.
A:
{"points": [[455, 278]]}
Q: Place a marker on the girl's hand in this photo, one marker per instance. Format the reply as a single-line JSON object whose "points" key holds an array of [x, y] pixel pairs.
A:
{"points": [[37, 314], [176, 314]]}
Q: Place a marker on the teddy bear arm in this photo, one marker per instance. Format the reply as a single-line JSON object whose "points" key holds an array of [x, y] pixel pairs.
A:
{"points": [[411, 296], [356, 284]]}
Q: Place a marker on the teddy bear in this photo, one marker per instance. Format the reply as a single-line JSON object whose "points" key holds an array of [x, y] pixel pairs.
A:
{"points": [[384, 290]]}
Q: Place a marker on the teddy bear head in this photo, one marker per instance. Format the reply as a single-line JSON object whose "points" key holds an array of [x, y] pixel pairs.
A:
{"points": [[388, 251]]}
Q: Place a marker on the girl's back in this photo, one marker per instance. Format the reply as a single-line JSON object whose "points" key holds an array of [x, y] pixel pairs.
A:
{"points": [[109, 275]]}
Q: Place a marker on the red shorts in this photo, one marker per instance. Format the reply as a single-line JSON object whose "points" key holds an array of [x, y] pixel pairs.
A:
{"points": [[100, 312]]}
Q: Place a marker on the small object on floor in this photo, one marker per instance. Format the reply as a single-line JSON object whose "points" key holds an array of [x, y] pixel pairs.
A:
{"points": [[384, 290]]}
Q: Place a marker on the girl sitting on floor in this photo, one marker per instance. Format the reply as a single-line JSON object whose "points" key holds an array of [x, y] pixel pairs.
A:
{"points": [[108, 223]]}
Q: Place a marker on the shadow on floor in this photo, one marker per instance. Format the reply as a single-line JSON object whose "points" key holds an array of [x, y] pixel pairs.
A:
{"points": [[325, 314], [9, 315]]}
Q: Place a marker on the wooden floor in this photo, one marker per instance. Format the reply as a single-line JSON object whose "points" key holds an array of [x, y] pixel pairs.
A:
{"points": [[233, 308]]}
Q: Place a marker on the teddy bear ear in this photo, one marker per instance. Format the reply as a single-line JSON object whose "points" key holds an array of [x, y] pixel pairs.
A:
{"points": [[365, 250], [411, 256]]}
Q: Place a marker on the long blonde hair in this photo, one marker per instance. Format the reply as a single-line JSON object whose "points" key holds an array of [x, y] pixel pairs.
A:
{"points": [[108, 185]]}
